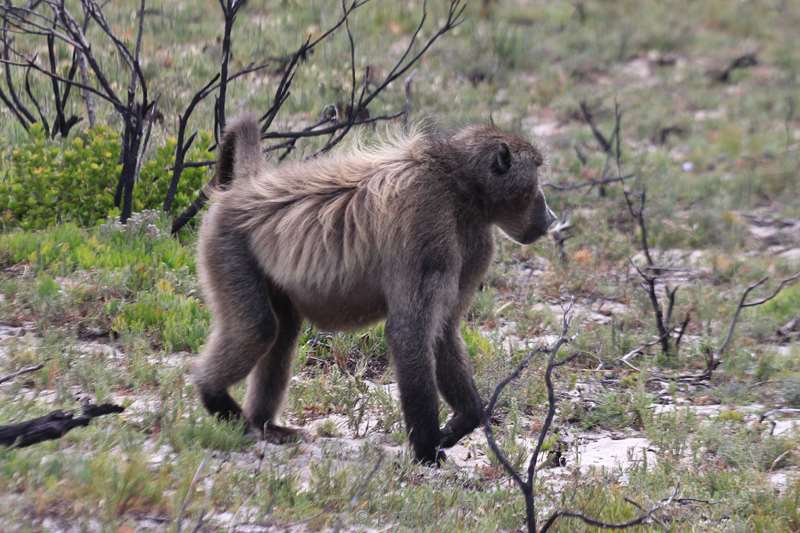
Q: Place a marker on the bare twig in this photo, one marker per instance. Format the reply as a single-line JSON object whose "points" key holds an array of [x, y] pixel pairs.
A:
{"points": [[589, 184], [743, 61], [779, 411], [606, 144], [743, 304], [643, 518], [661, 324], [20, 372], [189, 490], [527, 486], [601, 139]]}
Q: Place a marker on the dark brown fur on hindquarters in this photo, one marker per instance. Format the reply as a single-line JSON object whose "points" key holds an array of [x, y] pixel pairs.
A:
{"points": [[400, 231]]}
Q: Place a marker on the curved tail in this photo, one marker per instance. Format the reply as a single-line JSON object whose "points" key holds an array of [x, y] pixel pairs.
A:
{"points": [[239, 156], [239, 151]]}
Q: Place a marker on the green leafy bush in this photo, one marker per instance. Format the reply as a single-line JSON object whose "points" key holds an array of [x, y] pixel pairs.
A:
{"points": [[68, 248], [176, 321], [50, 182]]}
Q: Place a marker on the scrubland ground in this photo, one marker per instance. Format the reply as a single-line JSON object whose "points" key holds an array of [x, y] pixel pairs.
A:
{"points": [[114, 314]]}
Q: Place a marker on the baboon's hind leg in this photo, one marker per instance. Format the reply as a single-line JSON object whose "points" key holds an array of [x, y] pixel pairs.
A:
{"points": [[456, 385], [244, 324], [267, 382]]}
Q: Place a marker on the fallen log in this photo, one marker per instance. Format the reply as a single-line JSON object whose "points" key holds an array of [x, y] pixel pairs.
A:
{"points": [[53, 425]]}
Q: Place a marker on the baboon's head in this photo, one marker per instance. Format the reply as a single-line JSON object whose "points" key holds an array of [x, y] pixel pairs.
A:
{"points": [[504, 170]]}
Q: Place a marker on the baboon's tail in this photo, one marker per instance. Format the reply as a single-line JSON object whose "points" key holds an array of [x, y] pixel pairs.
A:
{"points": [[239, 151], [239, 156]]}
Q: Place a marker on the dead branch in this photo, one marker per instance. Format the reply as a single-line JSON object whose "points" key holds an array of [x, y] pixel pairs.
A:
{"points": [[743, 304], [403, 64], [183, 144], [61, 125], [52, 426], [527, 485], [643, 518], [601, 139], [230, 8], [20, 372], [606, 144], [649, 283], [650, 272], [743, 61], [625, 359], [779, 411], [589, 184]]}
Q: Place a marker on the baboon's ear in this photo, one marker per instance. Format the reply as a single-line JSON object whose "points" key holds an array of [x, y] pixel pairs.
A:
{"points": [[502, 159]]}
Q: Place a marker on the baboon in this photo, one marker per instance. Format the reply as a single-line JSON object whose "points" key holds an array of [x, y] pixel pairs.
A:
{"points": [[400, 230]]}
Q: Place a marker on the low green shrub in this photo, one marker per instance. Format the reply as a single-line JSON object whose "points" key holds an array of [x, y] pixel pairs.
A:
{"points": [[67, 248], [50, 182], [176, 321]]}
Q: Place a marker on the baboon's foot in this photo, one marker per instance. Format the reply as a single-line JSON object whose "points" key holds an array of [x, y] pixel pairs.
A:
{"points": [[221, 405], [458, 427], [276, 434], [433, 460], [449, 438]]}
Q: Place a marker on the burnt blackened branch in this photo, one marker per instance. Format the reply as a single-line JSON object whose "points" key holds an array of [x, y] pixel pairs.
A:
{"points": [[230, 9], [669, 336], [744, 303], [219, 85], [406, 61], [526, 482], [53, 425]]}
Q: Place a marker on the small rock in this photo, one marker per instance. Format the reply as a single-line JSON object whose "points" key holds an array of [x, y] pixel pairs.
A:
{"points": [[609, 453], [793, 255]]}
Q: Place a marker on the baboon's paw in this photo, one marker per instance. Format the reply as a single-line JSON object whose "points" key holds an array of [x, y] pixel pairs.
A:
{"points": [[276, 434], [449, 438], [457, 428], [434, 460], [221, 405]]}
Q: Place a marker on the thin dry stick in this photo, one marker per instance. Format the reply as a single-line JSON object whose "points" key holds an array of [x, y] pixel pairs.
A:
{"points": [[21, 371], [639, 520], [589, 184], [651, 271], [527, 486], [187, 498], [743, 303]]}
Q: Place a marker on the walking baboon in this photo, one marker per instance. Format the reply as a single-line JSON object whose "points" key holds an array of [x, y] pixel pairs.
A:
{"points": [[400, 230]]}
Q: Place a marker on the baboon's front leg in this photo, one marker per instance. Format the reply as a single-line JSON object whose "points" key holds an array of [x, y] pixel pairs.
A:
{"points": [[454, 377], [409, 336]]}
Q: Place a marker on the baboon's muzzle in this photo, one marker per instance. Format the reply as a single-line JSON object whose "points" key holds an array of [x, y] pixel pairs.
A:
{"points": [[543, 218]]}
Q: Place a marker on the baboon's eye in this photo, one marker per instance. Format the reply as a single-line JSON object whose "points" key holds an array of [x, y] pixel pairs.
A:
{"points": [[502, 159]]}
